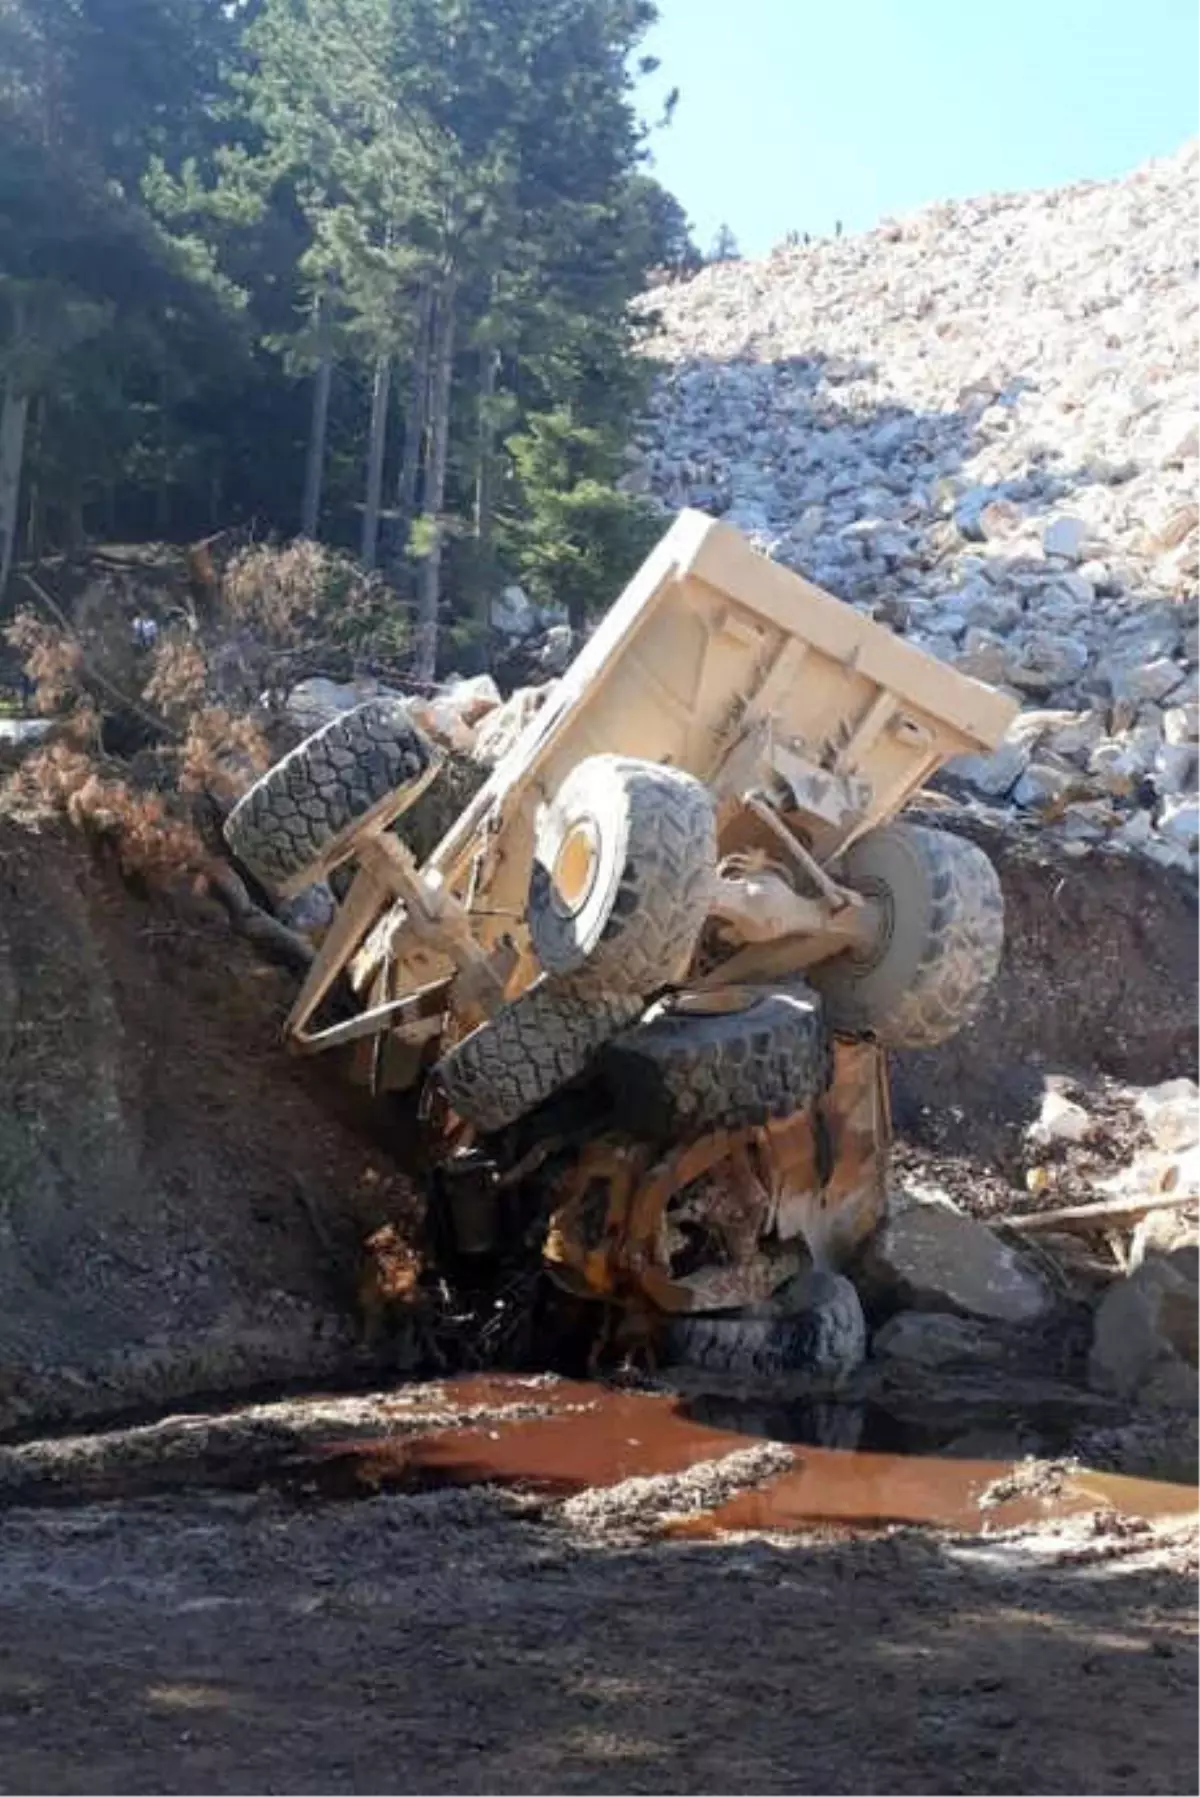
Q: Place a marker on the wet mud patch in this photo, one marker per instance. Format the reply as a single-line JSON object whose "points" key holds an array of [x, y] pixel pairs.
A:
{"points": [[596, 1459]]}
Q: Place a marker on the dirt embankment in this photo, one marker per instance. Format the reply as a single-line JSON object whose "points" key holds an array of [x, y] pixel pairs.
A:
{"points": [[1099, 978], [180, 1203]]}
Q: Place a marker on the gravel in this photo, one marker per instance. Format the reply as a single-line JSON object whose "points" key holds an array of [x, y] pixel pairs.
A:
{"points": [[980, 424]]}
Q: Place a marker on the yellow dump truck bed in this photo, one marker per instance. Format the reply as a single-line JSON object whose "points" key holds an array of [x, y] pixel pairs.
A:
{"points": [[711, 648]]}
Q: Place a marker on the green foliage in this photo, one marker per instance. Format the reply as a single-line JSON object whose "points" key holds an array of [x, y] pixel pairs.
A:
{"points": [[208, 205], [578, 538], [667, 241], [724, 246]]}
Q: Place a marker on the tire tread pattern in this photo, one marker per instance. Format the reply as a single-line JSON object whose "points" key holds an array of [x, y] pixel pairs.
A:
{"points": [[288, 820], [826, 1340], [537, 1043], [680, 1074], [662, 899], [959, 956]]}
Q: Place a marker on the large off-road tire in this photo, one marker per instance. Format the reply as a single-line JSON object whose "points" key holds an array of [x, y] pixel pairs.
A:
{"points": [[532, 1046], [623, 869], [680, 1072], [939, 945], [821, 1335], [304, 810]]}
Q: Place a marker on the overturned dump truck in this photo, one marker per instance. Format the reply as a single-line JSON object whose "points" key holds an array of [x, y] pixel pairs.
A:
{"points": [[653, 970]]}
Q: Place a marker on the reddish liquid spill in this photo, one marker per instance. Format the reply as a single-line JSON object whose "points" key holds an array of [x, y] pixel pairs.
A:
{"points": [[596, 1438], [831, 1486]]}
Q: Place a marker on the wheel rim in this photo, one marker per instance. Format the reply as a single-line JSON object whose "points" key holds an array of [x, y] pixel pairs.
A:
{"points": [[870, 954], [573, 874]]}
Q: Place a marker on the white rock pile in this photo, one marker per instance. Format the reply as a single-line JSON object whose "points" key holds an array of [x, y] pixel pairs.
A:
{"points": [[980, 423]]}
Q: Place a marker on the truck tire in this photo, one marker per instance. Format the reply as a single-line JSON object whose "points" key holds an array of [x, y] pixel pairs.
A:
{"points": [[679, 1073], [298, 813], [939, 947], [622, 874], [824, 1337], [532, 1046]]}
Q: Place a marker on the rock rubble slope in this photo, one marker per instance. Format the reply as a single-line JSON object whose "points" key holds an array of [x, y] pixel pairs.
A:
{"points": [[980, 424]]}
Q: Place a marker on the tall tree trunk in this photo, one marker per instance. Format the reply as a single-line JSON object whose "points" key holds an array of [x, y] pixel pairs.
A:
{"points": [[489, 363], [12, 448], [416, 418], [34, 431], [375, 449], [429, 579], [314, 464], [75, 532], [162, 484]]}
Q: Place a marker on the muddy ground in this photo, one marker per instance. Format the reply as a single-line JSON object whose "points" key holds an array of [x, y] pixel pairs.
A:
{"points": [[299, 1596], [181, 1203], [552, 1633]]}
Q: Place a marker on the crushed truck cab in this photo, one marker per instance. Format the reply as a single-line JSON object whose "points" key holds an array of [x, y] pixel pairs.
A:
{"points": [[683, 890]]}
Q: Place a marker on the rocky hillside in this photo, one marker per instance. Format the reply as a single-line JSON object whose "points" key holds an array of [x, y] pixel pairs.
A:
{"points": [[980, 423]]}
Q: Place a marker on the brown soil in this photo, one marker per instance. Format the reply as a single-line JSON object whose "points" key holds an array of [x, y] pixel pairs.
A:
{"points": [[519, 1640], [1098, 981], [181, 1204]]}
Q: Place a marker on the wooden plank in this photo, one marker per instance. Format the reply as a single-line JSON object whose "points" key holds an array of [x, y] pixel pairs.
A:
{"points": [[1083, 1218]]}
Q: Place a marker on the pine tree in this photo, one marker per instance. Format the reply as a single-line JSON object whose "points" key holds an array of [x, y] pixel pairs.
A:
{"points": [[90, 278], [724, 246], [366, 270]]}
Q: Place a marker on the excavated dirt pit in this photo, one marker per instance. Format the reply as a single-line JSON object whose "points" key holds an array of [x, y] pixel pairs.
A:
{"points": [[513, 1581], [1097, 985]]}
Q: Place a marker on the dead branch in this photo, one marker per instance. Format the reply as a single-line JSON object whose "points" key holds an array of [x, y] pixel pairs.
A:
{"points": [[275, 940], [157, 724], [1084, 1218]]}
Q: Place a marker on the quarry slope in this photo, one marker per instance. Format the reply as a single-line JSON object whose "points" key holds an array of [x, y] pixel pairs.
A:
{"points": [[980, 424]]}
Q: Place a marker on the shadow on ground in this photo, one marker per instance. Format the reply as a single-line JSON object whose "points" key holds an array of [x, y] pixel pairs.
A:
{"points": [[428, 1645]]}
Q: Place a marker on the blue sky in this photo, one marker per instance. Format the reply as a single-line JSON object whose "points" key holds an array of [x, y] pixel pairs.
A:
{"points": [[794, 113]]}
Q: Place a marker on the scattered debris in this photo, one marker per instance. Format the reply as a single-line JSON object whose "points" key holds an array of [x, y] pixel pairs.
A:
{"points": [[638, 1505], [1172, 1114], [1061, 1120], [1164, 1230], [1032, 1478]]}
